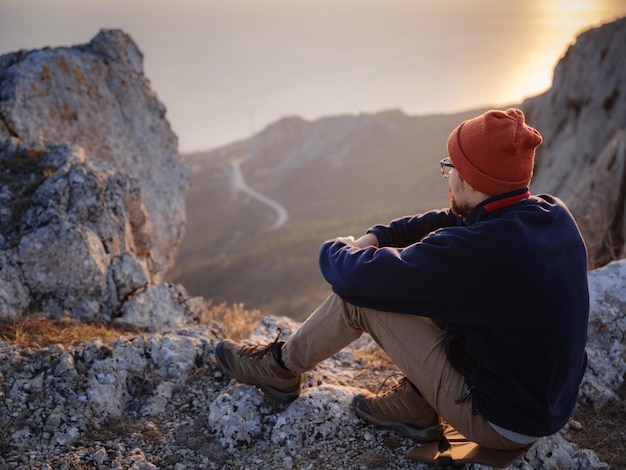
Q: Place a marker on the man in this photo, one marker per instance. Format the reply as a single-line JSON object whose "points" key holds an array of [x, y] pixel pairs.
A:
{"points": [[482, 306]]}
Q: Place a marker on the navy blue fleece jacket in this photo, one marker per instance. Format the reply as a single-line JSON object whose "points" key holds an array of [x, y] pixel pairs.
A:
{"points": [[510, 280]]}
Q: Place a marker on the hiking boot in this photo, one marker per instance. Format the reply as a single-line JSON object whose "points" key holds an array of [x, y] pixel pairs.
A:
{"points": [[260, 366], [402, 408]]}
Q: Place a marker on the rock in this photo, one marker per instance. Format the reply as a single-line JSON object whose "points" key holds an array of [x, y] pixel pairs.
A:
{"points": [[236, 417], [159, 308], [582, 118], [143, 366], [100, 456], [606, 347], [555, 453], [576, 425], [156, 400], [599, 208], [91, 188], [95, 96], [14, 295], [320, 413], [74, 235]]}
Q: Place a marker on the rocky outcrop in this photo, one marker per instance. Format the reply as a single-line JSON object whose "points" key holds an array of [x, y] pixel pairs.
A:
{"points": [[75, 237], [91, 188], [582, 118], [606, 346], [95, 96], [159, 401]]}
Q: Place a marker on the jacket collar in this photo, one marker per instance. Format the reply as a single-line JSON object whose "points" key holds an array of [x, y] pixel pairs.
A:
{"points": [[489, 206]]}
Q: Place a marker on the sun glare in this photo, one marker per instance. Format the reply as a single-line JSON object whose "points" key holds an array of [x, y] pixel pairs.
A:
{"points": [[561, 21], [570, 5], [578, 13]]}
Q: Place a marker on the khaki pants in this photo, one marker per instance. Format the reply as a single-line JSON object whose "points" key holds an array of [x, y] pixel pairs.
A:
{"points": [[414, 343]]}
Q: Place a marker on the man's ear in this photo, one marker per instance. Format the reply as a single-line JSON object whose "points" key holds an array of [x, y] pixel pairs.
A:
{"points": [[470, 191]]}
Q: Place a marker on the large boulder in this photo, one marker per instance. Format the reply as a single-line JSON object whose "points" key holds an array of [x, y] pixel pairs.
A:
{"points": [[91, 188], [74, 237], [96, 96], [606, 347], [582, 118]]}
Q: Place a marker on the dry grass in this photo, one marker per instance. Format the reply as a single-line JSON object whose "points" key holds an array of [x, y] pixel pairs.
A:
{"points": [[41, 332], [377, 367], [236, 321]]}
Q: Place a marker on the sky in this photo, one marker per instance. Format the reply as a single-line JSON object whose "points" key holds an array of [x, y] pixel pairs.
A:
{"points": [[225, 69]]}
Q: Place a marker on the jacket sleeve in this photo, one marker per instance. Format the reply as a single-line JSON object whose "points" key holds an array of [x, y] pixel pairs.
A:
{"points": [[405, 231], [411, 280]]}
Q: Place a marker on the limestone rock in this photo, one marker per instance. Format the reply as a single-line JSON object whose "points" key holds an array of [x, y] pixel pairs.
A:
{"points": [[155, 400], [599, 204], [96, 96], [144, 366], [73, 233], [91, 188], [14, 295], [606, 347], [159, 308], [582, 118]]}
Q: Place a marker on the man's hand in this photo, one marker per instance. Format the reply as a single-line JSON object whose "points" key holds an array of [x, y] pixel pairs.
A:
{"points": [[369, 239], [345, 240]]}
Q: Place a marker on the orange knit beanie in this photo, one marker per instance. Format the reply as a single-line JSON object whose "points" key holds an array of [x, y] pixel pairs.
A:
{"points": [[495, 152]]}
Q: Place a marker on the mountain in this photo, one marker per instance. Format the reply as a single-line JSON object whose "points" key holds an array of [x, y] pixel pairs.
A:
{"points": [[334, 176]]}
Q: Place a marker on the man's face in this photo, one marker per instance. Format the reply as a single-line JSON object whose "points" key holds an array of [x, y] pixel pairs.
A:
{"points": [[457, 195]]}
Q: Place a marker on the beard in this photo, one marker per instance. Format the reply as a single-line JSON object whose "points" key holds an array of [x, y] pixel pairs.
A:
{"points": [[457, 208]]}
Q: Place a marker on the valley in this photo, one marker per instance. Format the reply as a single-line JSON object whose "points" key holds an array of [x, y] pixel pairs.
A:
{"points": [[258, 210]]}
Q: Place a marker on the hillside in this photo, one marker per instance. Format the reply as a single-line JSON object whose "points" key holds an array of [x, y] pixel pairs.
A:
{"points": [[335, 176]]}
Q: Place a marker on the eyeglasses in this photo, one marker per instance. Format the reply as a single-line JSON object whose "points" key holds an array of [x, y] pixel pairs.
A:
{"points": [[446, 167]]}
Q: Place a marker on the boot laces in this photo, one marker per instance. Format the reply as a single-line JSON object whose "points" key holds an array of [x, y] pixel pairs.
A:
{"points": [[259, 350], [393, 388]]}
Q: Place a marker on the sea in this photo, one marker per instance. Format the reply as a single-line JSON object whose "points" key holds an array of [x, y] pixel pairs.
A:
{"points": [[226, 69]]}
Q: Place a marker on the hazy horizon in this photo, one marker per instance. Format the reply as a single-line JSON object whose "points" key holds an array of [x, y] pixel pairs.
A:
{"points": [[227, 68]]}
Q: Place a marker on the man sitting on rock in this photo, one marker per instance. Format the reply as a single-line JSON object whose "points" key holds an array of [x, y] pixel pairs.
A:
{"points": [[482, 306]]}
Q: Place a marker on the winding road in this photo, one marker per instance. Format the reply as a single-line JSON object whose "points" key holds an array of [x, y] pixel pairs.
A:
{"points": [[239, 184]]}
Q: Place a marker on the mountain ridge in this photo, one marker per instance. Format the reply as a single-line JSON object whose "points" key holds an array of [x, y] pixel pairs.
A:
{"points": [[335, 176]]}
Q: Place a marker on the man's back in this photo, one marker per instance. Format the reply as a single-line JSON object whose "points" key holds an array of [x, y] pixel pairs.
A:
{"points": [[512, 283]]}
